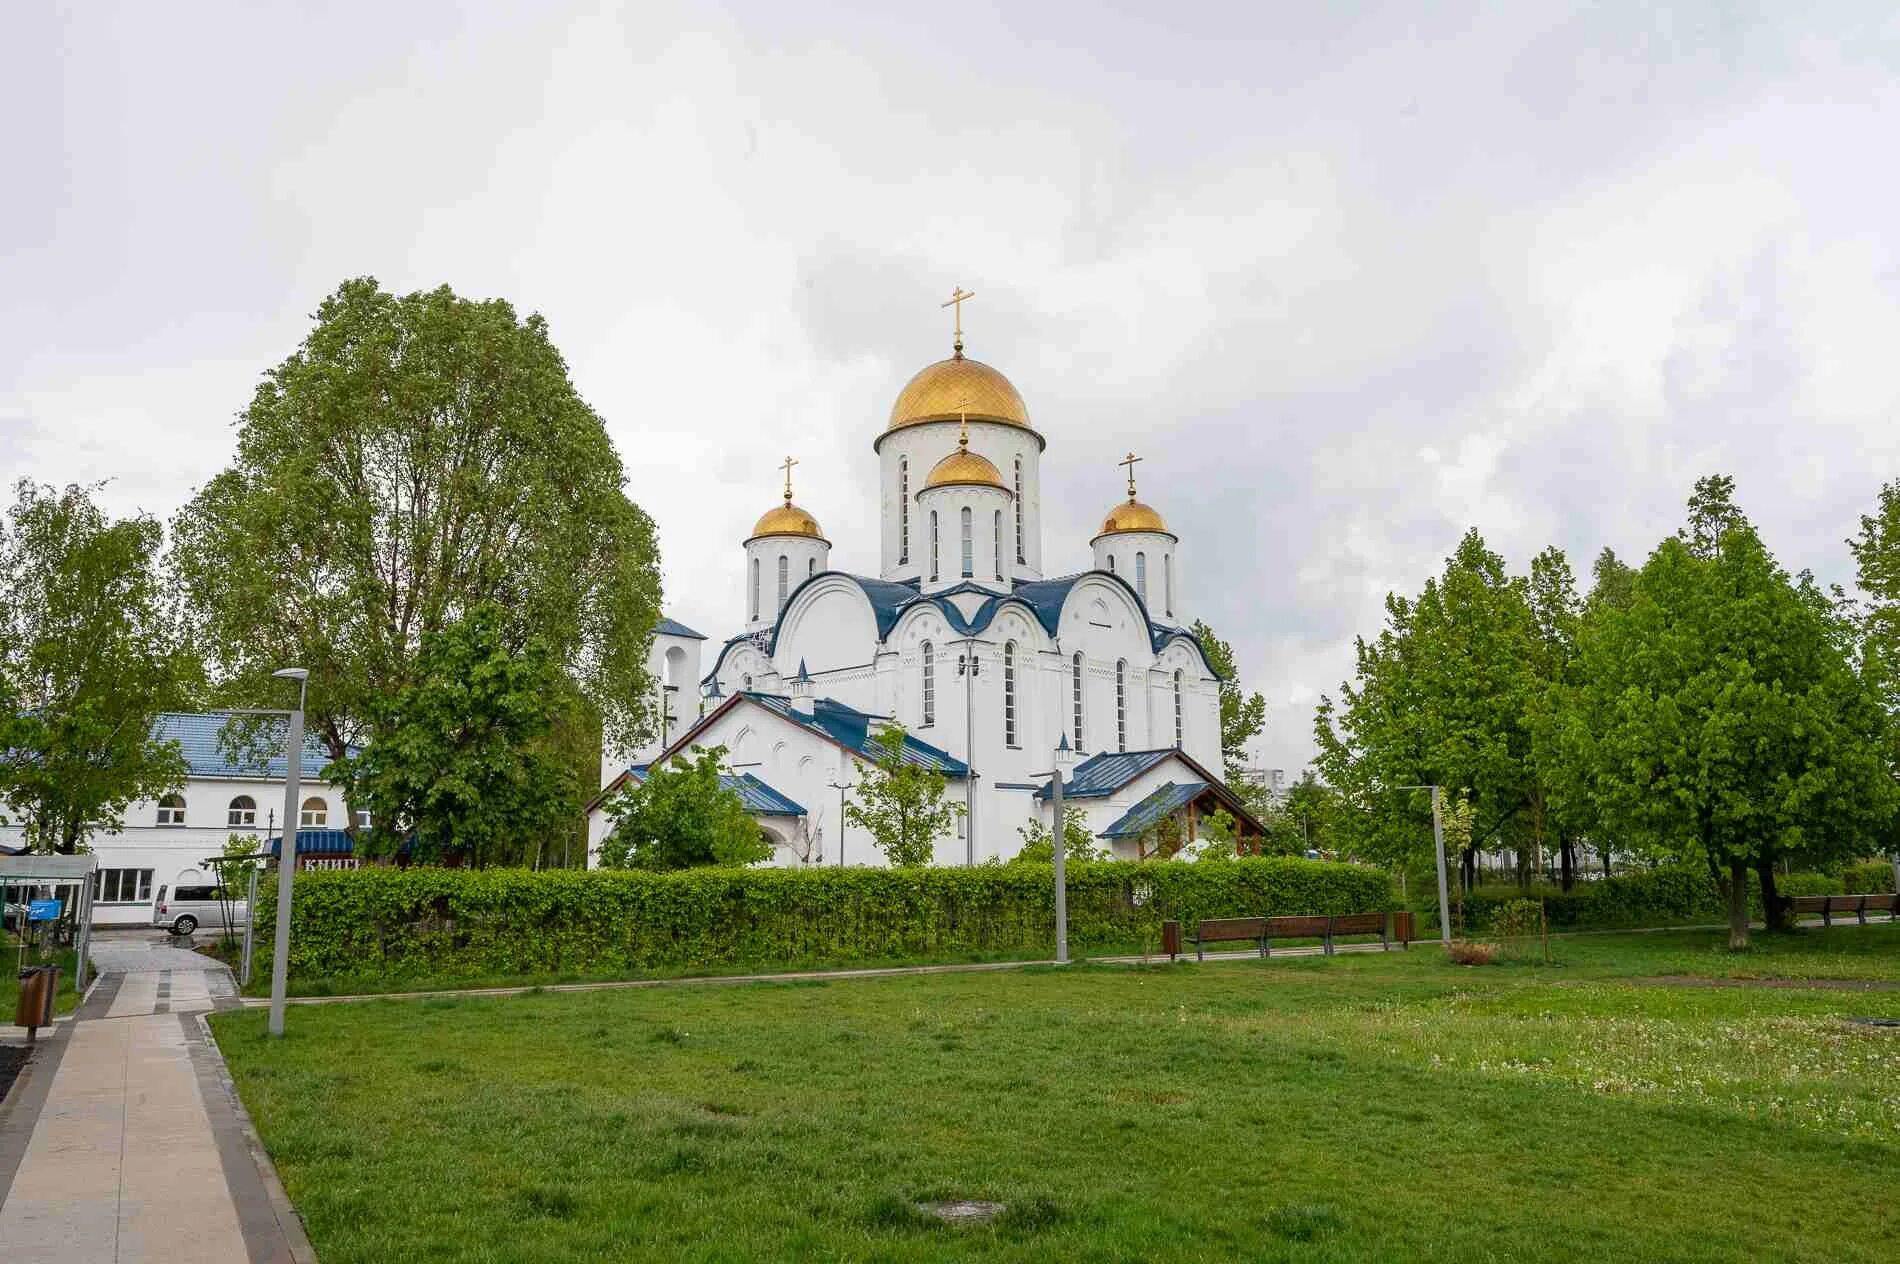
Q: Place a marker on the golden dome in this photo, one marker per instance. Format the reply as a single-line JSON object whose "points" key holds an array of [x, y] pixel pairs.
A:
{"points": [[1132, 515], [963, 468], [787, 519], [948, 389]]}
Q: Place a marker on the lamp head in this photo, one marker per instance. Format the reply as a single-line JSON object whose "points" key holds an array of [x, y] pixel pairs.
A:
{"points": [[291, 673]]}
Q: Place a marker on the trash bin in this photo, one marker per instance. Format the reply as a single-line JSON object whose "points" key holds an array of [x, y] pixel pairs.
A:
{"points": [[39, 992]]}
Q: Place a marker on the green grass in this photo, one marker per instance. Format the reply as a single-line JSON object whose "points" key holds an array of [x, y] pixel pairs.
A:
{"points": [[1384, 1106], [65, 1003]]}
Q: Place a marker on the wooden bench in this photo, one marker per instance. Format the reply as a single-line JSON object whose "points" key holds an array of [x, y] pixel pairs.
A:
{"points": [[1859, 905], [1216, 929], [1313, 926], [1360, 924]]}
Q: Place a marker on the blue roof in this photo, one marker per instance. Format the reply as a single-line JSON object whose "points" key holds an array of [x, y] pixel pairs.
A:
{"points": [[857, 731], [197, 736], [1101, 775], [316, 842], [759, 798], [1165, 801], [673, 627]]}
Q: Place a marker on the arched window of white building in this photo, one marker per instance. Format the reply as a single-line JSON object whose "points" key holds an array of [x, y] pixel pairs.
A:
{"points": [[903, 510], [784, 579], [755, 588], [1075, 690], [930, 686], [1167, 583], [933, 544], [1009, 694], [243, 812], [965, 525], [811, 567], [1177, 707], [315, 814], [999, 544], [1141, 577], [1121, 704], [1019, 511], [1111, 563], [171, 810]]}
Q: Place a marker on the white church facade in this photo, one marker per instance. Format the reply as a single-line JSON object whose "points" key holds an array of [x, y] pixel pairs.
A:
{"points": [[985, 653]]}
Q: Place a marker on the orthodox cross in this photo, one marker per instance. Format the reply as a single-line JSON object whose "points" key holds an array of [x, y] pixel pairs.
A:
{"points": [[787, 467], [1130, 461], [963, 414], [957, 297]]}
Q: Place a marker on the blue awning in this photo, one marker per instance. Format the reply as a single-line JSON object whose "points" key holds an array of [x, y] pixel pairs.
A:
{"points": [[316, 842]]}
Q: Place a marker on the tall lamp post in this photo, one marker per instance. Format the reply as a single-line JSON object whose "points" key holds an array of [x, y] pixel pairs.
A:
{"points": [[1438, 838], [1065, 755], [287, 857], [968, 665], [841, 787]]}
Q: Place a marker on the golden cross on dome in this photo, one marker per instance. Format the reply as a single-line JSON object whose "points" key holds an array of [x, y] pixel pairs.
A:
{"points": [[789, 462], [957, 298], [963, 415], [1130, 461]]}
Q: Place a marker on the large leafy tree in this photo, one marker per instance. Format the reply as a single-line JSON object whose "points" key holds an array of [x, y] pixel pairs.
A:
{"points": [[682, 816], [1877, 561], [91, 651], [901, 804], [464, 759], [416, 457], [1242, 714], [1558, 808], [1725, 724]]}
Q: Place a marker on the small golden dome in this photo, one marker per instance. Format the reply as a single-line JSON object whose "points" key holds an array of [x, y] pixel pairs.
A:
{"points": [[787, 519], [1132, 515], [964, 468], [950, 388]]}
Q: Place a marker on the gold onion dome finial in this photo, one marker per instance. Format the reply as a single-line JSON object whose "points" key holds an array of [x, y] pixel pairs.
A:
{"points": [[1132, 515], [941, 391], [964, 468], [787, 519]]}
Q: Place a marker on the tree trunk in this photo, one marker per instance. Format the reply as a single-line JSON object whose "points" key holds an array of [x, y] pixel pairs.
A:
{"points": [[1606, 860], [1775, 906], [1567, 860], [1737, 905]]}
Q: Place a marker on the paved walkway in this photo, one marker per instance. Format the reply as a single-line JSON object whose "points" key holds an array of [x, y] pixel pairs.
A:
{"points": [[124, 1142]]}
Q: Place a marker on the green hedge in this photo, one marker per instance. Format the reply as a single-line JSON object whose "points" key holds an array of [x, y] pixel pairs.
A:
{"points": [[1677, 895], [1873, 878], [388, 924]]}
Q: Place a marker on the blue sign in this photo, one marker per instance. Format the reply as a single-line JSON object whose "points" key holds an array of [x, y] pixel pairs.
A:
{"points": [[42, 911]]}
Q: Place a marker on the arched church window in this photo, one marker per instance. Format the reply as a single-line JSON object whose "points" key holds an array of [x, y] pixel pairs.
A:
{"points": [[1019, 510], [755, 588], [784, 578], [243, 811], [1177, 708], [1009, 694], [903, 510], [933, 544], [999, 544], [930, 686], [315, 814], [811, 567], [1167, 583], [1141, 577], [1111, 563], [1121, 704], [1075, 690], [968, 540]]}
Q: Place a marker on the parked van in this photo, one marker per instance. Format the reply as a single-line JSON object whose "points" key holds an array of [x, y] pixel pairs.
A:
{"points": [[184, 909]]}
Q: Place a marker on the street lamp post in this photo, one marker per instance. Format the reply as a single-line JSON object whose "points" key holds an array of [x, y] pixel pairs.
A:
{"points": [[840, 787], [287, 856], [1438, 839], [1065, 755], [968, 665]]}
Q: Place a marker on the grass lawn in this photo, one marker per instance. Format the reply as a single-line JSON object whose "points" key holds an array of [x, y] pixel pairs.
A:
{"points": [[1386, 1106], [68, 999]]}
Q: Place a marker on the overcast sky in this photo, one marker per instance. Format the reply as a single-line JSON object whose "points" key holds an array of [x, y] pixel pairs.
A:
{"points": [[1352, 280]]}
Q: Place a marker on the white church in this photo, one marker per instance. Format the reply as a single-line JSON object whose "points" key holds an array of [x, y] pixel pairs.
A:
{"points": [[964, 639]]}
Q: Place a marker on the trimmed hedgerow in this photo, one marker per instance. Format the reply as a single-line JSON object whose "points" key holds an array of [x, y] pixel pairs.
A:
{"points": [[455, 923], [1674, 895], [1872, 878]]}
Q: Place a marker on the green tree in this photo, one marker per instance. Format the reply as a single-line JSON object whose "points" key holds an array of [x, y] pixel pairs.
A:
{"points": [[1305, 818], [1725, 723], [901, 804], [417, 457], [462, 760], [91, 652], [1558, 808], [682, 816], [1039, 847], [1216, 833], [1242, 715], [1877, 562]]}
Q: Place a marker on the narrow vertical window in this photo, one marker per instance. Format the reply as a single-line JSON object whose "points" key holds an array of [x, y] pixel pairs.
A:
{"points": [[999, 544], [933, 544], [1020, 557], [903, 510], [755, 588], [1167, 583], [930, 686], [1009, 694], [1111, 563], [1141, 577], [1121, 704], [784, 579], [1177, 708], [968, 541], [1075, 689], [811, 567]]}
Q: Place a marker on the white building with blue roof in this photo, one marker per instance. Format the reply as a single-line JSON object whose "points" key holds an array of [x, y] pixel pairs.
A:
{"points": [[164, 842], [963, 638]]}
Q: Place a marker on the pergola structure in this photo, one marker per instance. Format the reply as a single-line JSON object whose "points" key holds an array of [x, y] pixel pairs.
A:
{"points": [[65, 878]]}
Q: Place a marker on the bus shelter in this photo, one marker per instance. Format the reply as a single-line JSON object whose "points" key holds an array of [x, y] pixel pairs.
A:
{"points": [[49, 896]]}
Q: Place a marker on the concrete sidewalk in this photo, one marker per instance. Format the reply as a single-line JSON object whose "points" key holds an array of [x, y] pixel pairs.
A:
{"points": [[124, 1141]]}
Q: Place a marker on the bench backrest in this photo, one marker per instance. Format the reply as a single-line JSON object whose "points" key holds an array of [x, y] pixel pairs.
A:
{"points": [[1811, 903], [1359, 924], [1231, 928], [1888, 902], [1316, 926]]}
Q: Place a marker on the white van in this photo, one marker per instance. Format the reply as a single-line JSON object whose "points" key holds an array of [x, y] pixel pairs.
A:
{"points": [[183, 909]]}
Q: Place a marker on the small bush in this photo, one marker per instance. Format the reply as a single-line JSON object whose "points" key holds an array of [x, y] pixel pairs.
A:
{"points": [[1517, 919], [1670, 895], [1464, 952], [1873, 878]]}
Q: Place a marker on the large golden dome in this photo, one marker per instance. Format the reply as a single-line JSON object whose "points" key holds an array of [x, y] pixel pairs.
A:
{"points": [[1132, 515], [964, 468], [948, 389], [787, 519]]}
